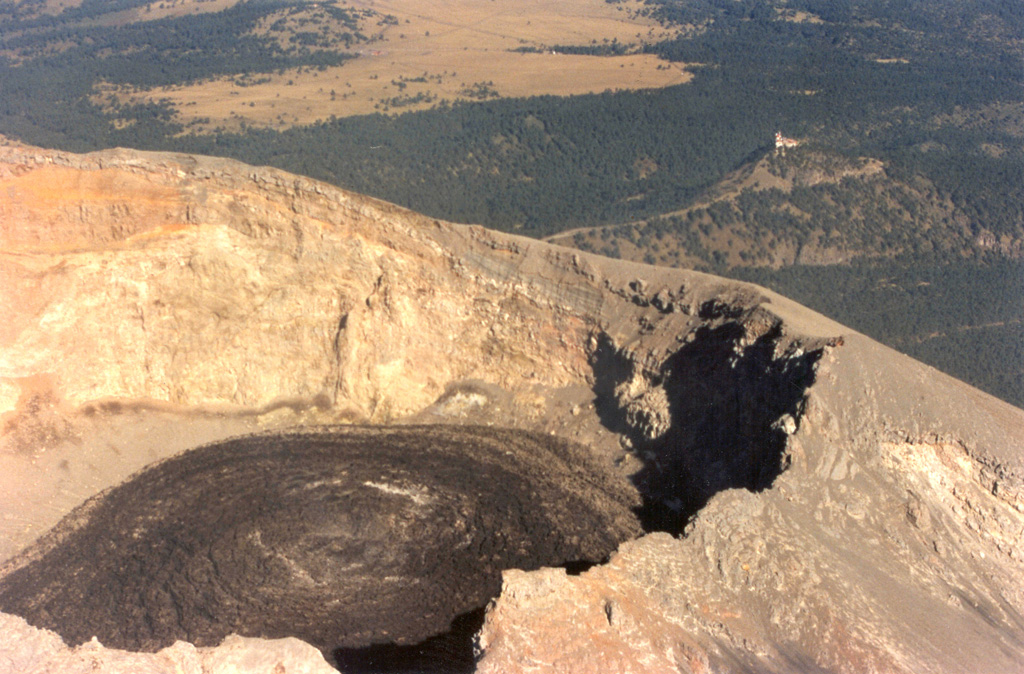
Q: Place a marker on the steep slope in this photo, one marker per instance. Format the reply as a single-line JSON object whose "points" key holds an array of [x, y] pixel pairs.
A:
{"points": [[898, 524], [814, 501]]}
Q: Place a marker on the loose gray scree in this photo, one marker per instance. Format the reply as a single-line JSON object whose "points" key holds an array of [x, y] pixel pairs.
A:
{"points": [[341, 536]]}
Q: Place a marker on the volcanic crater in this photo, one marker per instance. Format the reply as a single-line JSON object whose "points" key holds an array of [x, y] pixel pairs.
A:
{"points": [[382, 545], [713, 477]]}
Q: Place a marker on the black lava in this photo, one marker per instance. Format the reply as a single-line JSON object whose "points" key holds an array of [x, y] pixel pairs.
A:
{"points": [[448, 653], [345, 537]]}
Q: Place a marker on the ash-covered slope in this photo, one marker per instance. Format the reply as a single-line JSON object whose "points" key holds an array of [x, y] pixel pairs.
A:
{"points": [[852, 509]]}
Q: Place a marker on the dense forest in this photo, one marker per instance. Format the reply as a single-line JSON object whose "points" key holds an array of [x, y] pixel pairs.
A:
{"points": [[931, 91]]}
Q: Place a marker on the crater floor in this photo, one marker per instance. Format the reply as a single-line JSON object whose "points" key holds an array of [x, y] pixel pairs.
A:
{"points": [[343, 537]]}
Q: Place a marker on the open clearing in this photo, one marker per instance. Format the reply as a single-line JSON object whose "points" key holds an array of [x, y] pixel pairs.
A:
{"points": [[420, 53]]}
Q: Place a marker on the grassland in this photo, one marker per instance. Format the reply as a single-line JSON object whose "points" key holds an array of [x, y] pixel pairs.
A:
{"points": [[418, 54]]}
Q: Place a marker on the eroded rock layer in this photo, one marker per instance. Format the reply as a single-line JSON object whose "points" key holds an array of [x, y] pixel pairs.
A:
{"points": [[343, 537], [891, 542]]}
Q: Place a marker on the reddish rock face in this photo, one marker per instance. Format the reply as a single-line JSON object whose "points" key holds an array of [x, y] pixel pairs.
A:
{"points": [[590, 623], [834, 506]]}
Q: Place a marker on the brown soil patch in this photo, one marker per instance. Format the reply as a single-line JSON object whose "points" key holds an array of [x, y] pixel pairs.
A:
{"points": [[798, 16], [162, 9], [158, 9]]}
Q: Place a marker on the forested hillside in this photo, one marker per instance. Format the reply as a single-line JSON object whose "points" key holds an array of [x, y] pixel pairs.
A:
{"points": [[812, 206], [890, 255]]}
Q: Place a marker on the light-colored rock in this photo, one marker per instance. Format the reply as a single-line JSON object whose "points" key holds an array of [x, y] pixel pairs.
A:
{"points": [[134, 280], [28, 650], [590, 623], [168, 292], [880, 542]]}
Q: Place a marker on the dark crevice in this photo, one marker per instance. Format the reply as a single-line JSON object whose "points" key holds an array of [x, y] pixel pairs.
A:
{"points": [[579, 566], [452, 652], [719, 421]]}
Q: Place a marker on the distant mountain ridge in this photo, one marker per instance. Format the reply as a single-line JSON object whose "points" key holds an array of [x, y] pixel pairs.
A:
{"points": [[806, 206]]}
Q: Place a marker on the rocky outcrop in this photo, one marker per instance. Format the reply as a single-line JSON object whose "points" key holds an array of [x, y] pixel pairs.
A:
{"points": [[201, 282], [591, 623], [154, 285], [812, 501], [28, 650]]}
